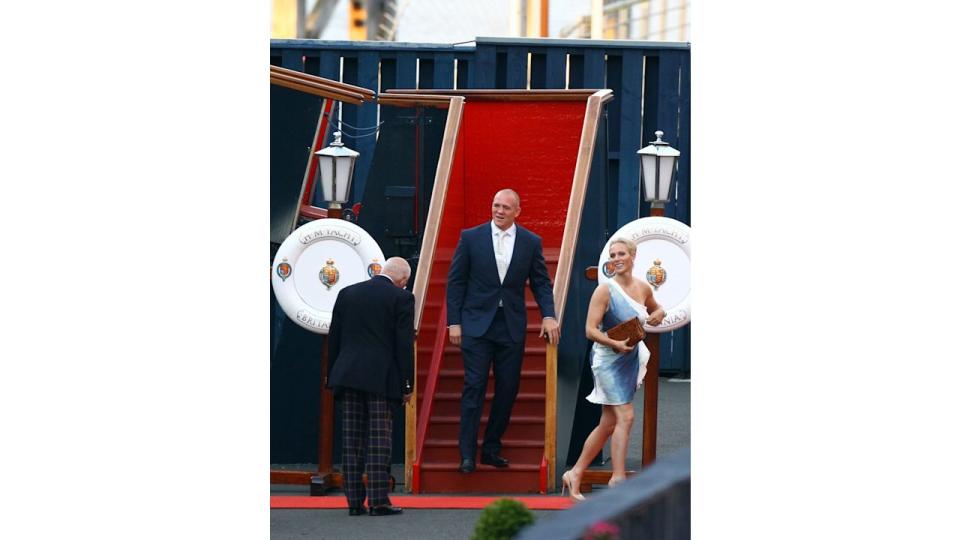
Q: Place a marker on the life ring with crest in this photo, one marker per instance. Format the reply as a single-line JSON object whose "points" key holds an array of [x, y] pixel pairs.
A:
{"points": [[315, 263], [663, 261]]}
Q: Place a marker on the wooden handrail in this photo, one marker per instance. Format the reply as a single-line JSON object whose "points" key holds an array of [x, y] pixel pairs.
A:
{"points": [[430, 386], [578, 190], [561, 282], [438, 200], [317, 89], [366, 93]]}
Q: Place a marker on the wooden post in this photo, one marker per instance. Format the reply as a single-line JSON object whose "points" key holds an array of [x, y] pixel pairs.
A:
{"points": [[651, 390], [326, 478], [651, 387], [333, 213], [410, 431], [550, 424], [326, 413]]}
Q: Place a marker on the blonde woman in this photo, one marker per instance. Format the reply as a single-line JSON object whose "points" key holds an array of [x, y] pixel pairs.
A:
{"points": [[617, 368]]}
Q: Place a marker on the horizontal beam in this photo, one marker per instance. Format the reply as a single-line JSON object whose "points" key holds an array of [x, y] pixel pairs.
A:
{"points": [[470, 46], [504, 95], [408, 99], [587, 43], [318, 44]]}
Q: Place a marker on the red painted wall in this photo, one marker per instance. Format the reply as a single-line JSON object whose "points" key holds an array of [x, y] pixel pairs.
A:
{"points": [[530, 147]]}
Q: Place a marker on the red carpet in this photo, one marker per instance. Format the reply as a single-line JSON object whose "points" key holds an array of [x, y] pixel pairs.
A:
{"points": [[338, 501]]}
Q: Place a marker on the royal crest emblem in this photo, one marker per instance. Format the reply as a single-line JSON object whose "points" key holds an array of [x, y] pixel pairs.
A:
{"points": [[329, 275], [656, 275], [609, 269], [374, 268], [284, 270]]}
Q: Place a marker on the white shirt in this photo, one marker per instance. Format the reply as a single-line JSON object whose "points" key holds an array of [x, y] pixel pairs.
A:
{"points": [[508, 242]]}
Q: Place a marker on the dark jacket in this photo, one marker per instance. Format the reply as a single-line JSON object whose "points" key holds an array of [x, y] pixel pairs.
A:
{"points": [[371, 339], [474, 289]]}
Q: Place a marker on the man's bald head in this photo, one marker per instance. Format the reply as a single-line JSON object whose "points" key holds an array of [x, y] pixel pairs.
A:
{"points": [[398, 270], [512, 193]]}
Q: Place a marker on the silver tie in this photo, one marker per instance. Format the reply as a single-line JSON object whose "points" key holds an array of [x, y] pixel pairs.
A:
{"points": [[501, 254]]}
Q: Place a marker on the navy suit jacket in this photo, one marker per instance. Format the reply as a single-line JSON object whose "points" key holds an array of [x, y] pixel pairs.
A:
{"points": [[371, 339], [474, 289]]}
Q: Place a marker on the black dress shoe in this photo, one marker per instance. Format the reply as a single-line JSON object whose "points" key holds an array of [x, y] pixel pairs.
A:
{"points": [[467, 465], [361, 511], [386, 510], [494, 459]]}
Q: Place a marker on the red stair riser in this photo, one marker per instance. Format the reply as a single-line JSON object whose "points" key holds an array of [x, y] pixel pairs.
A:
{"points": [[455, 362], [527, 384], [527, 432], [440, 454], [446, 407], [480, 481]]}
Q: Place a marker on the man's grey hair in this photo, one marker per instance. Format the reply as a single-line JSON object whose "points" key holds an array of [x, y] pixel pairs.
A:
{"points": [[396, 268]]}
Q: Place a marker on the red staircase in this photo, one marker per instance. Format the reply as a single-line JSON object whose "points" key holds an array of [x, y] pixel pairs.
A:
{"points": [[440, 383]]}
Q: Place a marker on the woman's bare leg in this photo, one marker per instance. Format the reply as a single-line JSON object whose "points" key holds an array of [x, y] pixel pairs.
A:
{"points": [[592, 446], [621, 437]]}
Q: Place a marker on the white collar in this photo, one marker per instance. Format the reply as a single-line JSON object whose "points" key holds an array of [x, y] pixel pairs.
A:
{"points": [[512, 231]]}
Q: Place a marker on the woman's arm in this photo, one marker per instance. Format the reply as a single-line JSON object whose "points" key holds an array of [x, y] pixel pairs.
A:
{"points": [[598, 306], [656, 311]]}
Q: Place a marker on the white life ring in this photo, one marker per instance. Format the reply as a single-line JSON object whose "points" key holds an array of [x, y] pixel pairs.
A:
{"points": [[315, 262], [663, 240]]}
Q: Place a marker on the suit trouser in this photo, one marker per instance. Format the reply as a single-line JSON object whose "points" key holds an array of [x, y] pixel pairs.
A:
{"points": [[507, 356], [367, 426]]}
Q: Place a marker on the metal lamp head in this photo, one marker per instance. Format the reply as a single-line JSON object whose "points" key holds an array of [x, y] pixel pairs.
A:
{"points": [[657, 163], [335, 164]]}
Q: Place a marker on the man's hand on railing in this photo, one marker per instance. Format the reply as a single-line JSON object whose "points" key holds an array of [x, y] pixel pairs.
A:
{"points": [[550, 329]]}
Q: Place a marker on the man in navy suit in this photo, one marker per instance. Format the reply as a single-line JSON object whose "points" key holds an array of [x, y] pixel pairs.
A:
{"points": [[487, 318], [371, 370]]}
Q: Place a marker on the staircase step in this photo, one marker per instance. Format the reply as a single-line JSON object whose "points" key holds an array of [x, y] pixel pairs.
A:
{"points": [[538, 347], [519, 452], [535, 382], [530, 362], [447, 478], [522, 396], [526, 373], [527, 427], [531, 381], [455, 467], [526, 404]]}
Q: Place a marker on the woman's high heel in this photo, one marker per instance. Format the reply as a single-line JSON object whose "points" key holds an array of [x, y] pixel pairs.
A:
{"points": [[568, 484]]}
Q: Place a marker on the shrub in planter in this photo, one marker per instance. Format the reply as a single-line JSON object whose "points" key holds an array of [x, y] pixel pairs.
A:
{"points": [[502, 520]]}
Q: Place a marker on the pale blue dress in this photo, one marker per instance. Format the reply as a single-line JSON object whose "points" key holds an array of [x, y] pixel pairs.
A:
{"points": [[616, 377]]}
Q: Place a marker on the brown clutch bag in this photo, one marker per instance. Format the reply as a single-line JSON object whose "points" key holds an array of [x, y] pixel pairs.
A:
{"points": [[630, 330]]}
